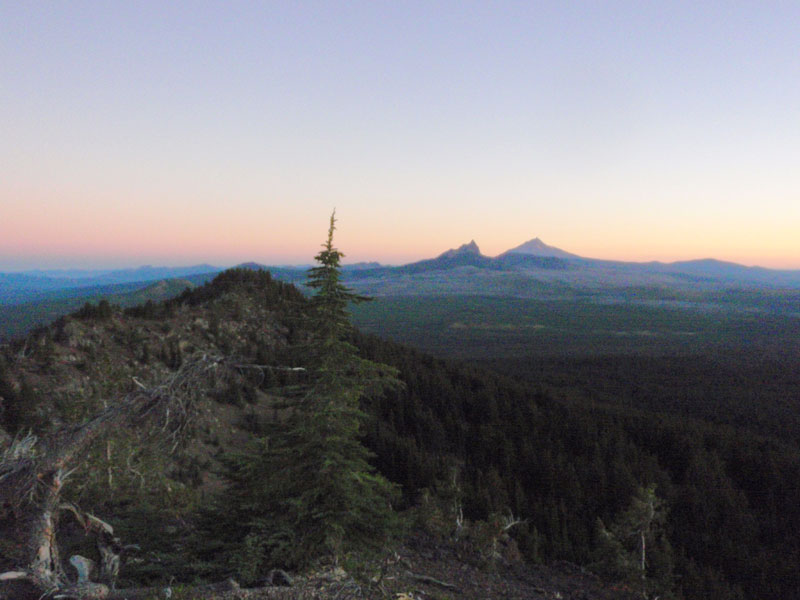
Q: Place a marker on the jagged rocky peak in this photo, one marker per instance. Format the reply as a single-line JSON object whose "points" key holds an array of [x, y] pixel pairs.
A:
{"points": [[537, 247], [471, 248]]}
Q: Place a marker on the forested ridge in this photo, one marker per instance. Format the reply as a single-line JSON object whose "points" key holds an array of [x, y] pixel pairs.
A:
{"points": [[732, 495], [568, 467]]}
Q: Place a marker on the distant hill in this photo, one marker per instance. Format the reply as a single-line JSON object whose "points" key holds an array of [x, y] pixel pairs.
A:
{"points": [[16, 288], [527, 270], [360, 266], [466, 255], [18, 319], [150, 273], [710, 267], [533, 269]]}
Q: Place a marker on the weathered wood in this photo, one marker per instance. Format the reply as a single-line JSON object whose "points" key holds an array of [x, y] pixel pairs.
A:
{"points": [[431, 581], [33, 473]]}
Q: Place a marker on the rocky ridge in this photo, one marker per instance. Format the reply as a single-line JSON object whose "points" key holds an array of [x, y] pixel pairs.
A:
{"points": [[68, 370]]}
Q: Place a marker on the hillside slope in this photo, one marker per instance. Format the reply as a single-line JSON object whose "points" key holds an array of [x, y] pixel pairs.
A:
{"points": [[454, 433]]}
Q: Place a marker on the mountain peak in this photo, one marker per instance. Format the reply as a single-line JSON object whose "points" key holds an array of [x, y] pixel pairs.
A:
{"points": [[537, 247], [471, 248]]}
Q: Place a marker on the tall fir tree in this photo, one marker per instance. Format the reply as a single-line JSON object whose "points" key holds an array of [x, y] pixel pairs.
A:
{"points": [[307, 490]]}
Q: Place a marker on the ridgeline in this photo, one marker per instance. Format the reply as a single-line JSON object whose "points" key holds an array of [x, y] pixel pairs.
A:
{"points": [[491, 472]]}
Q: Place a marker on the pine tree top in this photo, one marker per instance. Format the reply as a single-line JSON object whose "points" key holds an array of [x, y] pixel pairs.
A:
{"points": [[332, 296]]}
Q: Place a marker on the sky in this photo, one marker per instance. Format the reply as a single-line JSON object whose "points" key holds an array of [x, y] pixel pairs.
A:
{"points": [[221, 132]]}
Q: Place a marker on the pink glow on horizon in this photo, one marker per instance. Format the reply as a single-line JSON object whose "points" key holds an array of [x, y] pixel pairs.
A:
{"points": [[87, 231], [232, 138], [41, 239], [78, 227]]}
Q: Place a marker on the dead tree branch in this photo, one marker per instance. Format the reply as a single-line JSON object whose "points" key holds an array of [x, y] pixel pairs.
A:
{"points": [[431, 581], [33, 471]]}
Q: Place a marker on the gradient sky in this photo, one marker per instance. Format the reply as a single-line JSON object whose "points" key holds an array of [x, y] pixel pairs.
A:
{"points": [[221, 132]]}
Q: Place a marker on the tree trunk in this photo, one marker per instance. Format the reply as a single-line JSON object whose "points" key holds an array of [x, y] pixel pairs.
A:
{"points": [[33, 473], [643, 565]]}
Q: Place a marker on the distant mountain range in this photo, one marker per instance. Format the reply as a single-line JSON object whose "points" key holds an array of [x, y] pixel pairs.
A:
{"points": [[28, 286], [532, 269], [535, 267]]}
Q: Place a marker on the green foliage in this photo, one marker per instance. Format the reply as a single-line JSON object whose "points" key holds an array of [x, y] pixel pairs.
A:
{"points": [[257, 282], [717, 432], [307, 490], [21, 409], [329, 304], [438, 509], [565, 460], [148, 310], [703, 405], [101, 311], [634, 549], [11, 413], [709, 584], [486, 327]]}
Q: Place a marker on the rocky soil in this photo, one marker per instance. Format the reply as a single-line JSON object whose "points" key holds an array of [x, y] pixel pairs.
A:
{"points": [[421, 569]]}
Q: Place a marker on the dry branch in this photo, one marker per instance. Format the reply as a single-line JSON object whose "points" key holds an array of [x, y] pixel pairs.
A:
{"points": [[34, 471], [431, 581]]}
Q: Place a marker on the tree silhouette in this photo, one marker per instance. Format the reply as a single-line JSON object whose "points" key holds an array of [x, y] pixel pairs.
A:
{"points": [[308, 489]]}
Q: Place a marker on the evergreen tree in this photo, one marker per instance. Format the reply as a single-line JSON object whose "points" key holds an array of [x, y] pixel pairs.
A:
{"points": [[634, 547], [307, 490]]}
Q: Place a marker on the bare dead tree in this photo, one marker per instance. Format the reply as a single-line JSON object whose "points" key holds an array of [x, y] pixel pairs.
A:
{"points": [[35, 471], [509, 521]]}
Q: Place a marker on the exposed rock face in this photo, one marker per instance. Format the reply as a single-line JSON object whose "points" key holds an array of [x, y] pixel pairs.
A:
{"points": [[471, 248]]}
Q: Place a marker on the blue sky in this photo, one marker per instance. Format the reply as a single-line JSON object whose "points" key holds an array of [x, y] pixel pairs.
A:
{"points": [[222, 132]]}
